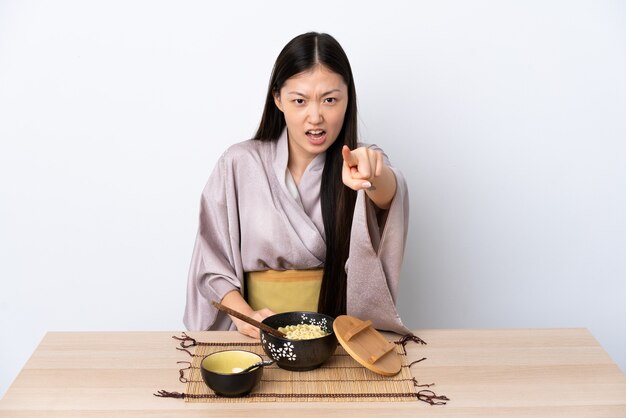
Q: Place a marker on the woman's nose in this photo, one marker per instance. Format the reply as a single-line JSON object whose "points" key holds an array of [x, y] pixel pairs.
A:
{"points": [[315, 114]]}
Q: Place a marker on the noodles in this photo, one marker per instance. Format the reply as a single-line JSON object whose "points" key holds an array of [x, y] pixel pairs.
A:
{"points": [[302, 332]]}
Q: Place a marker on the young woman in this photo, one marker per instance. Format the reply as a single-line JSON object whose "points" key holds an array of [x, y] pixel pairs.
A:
{"points": [[302, 217]]}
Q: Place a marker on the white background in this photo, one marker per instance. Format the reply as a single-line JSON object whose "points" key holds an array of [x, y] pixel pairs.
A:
{"points": [[507, 118]]}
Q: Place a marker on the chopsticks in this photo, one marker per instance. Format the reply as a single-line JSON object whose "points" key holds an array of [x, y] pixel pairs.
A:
{"points": [[249, 320]]}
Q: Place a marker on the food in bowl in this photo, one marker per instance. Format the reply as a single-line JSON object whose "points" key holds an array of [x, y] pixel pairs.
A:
{"points": [[302, 331], [299, 355], [221, 371]]}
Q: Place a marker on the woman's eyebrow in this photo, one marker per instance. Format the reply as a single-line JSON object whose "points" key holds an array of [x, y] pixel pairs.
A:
{"points": [[332, 91], [297, 93]]}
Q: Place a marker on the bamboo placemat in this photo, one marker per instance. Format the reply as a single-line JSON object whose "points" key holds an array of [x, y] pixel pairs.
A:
{"points": [[340, 379]]}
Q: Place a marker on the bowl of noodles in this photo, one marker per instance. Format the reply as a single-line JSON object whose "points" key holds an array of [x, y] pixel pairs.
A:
{"points": [[309, 341]]}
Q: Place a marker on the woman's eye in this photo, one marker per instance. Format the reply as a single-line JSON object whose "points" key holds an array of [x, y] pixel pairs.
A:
{"points": [[330, 100], [298, 101]]}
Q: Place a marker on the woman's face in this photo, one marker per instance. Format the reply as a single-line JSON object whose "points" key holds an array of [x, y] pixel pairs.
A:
{"points": [[314, 104]]}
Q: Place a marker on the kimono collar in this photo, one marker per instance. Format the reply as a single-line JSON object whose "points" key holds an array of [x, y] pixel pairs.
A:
{"points": [[281, 158], [305, 212]]}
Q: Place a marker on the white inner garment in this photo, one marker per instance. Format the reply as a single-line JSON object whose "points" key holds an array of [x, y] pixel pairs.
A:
{"points": [[291, 186]]}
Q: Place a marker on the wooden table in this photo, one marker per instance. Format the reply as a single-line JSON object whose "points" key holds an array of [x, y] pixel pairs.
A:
{"points": [[485, 373]]}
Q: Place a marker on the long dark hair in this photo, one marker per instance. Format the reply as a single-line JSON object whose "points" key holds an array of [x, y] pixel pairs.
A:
{"points": [[301, 54]]}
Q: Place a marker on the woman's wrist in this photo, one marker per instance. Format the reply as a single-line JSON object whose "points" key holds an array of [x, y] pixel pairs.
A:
{"points": [[383, 189]]}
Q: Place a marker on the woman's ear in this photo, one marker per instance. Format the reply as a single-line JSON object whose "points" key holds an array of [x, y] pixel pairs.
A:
{"points": [[277, 101]]}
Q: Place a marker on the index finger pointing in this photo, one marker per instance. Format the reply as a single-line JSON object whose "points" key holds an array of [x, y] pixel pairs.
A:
{"points": [[348, 157]]}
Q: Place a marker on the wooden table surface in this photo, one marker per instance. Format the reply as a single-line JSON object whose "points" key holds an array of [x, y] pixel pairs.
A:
{"points": [[485, 373]]}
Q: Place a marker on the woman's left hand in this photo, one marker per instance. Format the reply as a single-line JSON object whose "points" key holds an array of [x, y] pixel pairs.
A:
{"points": [[365, 169], [361, 166]]}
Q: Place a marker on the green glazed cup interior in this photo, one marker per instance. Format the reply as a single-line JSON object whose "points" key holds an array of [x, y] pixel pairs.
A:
{"points": [[229, 361]]}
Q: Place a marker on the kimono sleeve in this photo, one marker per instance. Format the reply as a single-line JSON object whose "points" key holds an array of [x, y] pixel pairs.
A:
{"points": [[216, 260], [375, 261]]}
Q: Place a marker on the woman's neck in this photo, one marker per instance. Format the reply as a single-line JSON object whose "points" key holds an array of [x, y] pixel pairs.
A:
{"points": [[297, 167], [297, 163]]}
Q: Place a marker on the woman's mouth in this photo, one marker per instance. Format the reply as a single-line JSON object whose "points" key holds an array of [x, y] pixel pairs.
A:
{"points": [[316, 136]]}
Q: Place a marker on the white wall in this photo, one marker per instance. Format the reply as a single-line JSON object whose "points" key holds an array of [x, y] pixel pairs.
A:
{"points": [[508, 119]]}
